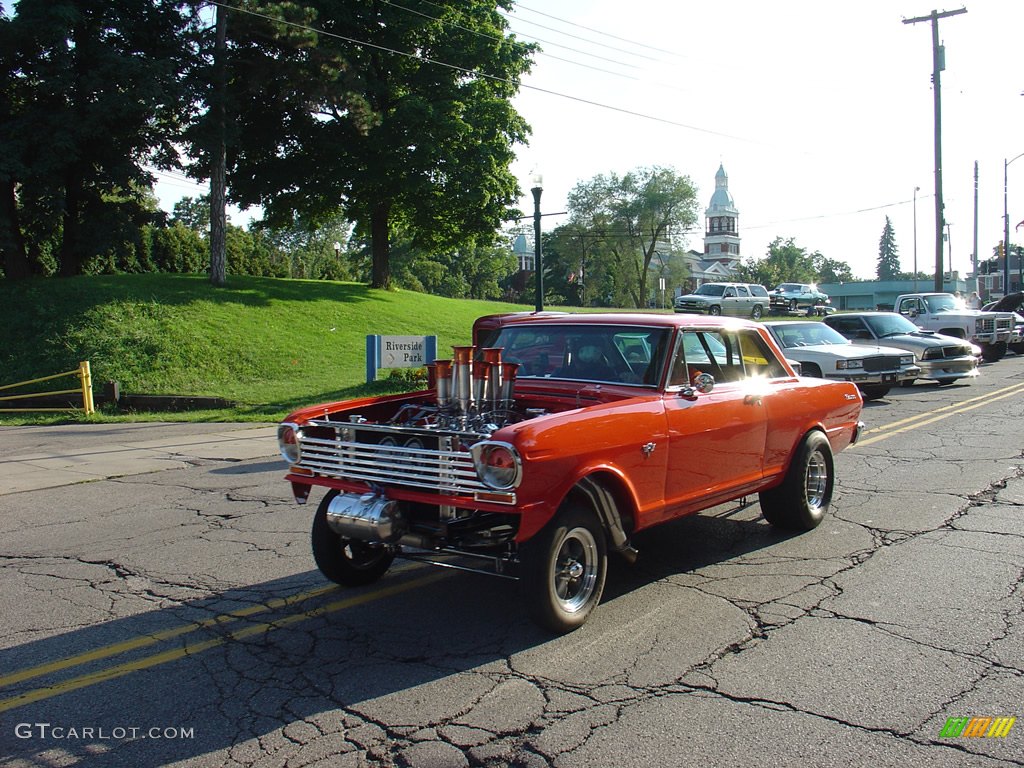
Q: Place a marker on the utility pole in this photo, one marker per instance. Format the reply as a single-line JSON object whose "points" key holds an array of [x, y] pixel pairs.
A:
{"points": [[218, 153], [938, 64], [974, 251]]}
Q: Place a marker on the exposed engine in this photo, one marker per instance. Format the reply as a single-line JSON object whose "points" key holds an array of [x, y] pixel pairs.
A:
{"points": [[471, 395]]}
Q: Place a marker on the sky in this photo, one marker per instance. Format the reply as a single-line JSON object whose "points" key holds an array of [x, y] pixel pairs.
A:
{"points": [[820, 112]]}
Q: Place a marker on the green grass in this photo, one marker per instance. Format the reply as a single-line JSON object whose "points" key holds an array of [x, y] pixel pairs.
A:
{"points": [[269, 345]]}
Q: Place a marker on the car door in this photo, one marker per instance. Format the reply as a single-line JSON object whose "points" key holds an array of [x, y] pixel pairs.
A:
{"points": [[743, 302], [716, 439], [729, 301]]}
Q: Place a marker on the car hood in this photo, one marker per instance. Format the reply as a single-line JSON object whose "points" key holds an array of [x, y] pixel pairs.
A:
{"points": [[916, 342], [842, 351]]}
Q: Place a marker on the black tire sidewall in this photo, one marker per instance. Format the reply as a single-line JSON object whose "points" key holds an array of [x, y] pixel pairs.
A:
{"points": [[330, 559], [537, 566]]}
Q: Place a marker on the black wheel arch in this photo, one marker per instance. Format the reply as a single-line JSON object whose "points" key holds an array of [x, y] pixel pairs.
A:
{"points": [[604, 493]]}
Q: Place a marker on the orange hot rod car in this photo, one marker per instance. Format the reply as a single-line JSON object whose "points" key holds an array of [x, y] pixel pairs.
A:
{"points": [[554, 438]]}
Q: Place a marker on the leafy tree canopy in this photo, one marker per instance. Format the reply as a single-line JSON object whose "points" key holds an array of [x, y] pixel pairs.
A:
{"points": [[402, 119], [629, 222], [786, 262], [89, 93]]}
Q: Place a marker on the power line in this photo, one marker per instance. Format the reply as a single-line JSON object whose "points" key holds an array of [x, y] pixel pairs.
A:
{"points": [[542, 51], [586, 40], [598, 31], [475, 73]]}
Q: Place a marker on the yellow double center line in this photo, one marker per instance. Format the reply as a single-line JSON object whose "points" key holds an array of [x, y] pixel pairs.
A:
{"points": [[190, 649], [923, 419]]}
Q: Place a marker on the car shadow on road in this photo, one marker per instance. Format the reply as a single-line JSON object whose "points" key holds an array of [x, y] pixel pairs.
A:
{"points": [[243, 665]]}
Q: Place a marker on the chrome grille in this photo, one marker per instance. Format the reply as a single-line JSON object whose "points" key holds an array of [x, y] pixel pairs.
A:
{"points": [[356, 452], [881, 363]]}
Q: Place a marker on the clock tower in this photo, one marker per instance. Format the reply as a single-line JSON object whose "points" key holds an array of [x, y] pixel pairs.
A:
{"points": [[721, 230]]}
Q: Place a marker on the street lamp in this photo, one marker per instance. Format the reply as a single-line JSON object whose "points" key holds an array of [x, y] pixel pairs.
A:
{"points": [[916, 190], [1006, 229], [538, 181]]}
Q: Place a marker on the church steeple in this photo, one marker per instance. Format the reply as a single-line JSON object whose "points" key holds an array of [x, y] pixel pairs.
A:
{"points": [[721, 231]]}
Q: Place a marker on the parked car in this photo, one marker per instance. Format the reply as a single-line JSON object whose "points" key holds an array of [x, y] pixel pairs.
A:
{"points": [[543, 447], [790, 297], [947, 314], [732, 299], [942, 358], [826, 354], [1011, 303]]}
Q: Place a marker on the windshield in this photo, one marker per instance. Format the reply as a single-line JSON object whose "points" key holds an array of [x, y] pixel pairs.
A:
{"points": [[710, 289], [792, 335], [943, 303], [611, 354], [890, 325]]}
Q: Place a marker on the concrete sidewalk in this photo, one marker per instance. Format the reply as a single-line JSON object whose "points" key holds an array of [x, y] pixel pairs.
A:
{"points": [[33, 458]]}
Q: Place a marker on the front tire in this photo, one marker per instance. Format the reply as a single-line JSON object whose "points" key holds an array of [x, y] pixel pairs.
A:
{"points": [[714, 309], [563, 569], [792, 305], [874, 392], [992, 353], [349, 562], [803, 498]]}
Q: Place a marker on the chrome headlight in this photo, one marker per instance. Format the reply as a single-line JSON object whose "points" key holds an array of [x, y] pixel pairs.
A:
{"points": [[906, 359], [845, 364], [497, 464], [288, 436], [933, 353]]}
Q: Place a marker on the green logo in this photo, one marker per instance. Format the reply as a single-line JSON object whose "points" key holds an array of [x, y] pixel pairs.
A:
{"points": [[977, 727]]}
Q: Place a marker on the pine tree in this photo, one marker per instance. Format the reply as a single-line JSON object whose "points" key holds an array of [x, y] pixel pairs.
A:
{"points": [[888, 256]]}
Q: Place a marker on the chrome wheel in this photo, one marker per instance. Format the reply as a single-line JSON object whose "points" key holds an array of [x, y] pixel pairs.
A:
{"points": [[816, 481], [575, 572]]}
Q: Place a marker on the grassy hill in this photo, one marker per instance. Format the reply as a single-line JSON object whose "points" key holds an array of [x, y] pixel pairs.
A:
{"points": [[267, 344]]}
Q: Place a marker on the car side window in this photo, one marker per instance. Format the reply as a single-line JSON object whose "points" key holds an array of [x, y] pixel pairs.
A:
{"points": [[711, 352], [758, 358], [742, 292], [849, 327]]}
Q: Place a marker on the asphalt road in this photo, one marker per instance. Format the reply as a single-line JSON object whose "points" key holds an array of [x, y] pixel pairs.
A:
{"points": [[175, 617]]}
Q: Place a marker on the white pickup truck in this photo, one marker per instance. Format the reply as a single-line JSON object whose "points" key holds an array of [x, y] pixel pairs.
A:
{"points": [[946, 314]]}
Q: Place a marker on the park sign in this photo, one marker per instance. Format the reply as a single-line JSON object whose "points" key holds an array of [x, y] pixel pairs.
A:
{"points": [[398, 352]]}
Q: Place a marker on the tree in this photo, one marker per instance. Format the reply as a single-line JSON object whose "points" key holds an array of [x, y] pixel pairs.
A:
{"points": [[632, 219], [888, 258], [785, 262], [402, 119], [92, 93]]}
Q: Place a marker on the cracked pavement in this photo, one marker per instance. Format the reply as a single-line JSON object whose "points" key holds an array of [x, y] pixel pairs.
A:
{"points": [[186, 598]]}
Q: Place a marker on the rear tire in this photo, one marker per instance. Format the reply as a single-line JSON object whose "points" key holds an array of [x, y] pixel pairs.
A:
{"points": [[757, 312], [349, 562], [563, 569], [803, 498]]}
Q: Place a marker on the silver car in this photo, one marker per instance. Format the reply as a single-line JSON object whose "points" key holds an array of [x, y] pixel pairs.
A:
{"points": [[732, 299], [942, 358], [823, 353]]}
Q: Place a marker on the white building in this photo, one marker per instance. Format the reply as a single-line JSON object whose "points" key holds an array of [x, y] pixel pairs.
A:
{"points": [[721, 238]]}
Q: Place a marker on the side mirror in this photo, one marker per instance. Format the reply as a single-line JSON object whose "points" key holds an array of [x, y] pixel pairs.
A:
{"points": [[702, 383]]}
